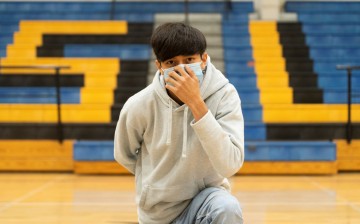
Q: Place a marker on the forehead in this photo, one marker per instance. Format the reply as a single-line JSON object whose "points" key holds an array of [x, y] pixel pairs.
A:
{"points": [[182, 57]]}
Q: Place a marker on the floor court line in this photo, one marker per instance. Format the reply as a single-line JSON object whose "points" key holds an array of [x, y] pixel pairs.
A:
{"points": [[31, 193], [329, 192]]}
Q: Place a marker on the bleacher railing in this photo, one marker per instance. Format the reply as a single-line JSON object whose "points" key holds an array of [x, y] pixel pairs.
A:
{"points": [[349, 70], [58, 86], [112, 9]]}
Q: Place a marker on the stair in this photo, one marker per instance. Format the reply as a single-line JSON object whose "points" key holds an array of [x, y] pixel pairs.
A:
{"points": [[296, 54]]}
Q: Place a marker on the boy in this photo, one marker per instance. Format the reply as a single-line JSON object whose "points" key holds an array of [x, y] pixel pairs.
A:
{"points": [[183, 135]]}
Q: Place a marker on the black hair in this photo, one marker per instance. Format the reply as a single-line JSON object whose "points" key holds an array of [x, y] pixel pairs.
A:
{"points": [[172, 39]]}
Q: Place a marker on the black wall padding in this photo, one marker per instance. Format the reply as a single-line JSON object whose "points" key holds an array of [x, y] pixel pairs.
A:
{"points": [[95, 131], [43, 80], [115, 111], [299, 66], [105, 131], [319, 131], [134, 79]]}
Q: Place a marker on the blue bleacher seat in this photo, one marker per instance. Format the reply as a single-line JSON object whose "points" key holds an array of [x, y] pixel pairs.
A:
{"points": [[326, 28], [333, 52], [243, 81], [38, 95], [330, 81], [93, 151], [236, 18], [321, 67], [36, 7], [333, 41], [339, 96], [290, 151], [254, 151], [322, 7], [248, 95], [252, 112], [238, 42], [244, 52], [124, 51], [235, 30], [233, 67], [334, 18]]}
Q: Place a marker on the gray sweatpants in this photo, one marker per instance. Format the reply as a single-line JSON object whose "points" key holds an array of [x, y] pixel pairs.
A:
{"points": [[212, 206]]}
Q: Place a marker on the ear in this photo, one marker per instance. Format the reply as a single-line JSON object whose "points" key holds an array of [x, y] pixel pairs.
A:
{"points": [[204, 59], [158, 65]]}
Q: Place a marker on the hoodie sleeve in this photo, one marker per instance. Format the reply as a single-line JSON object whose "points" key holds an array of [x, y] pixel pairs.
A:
{"points": [[222, 135], [127, 140]]}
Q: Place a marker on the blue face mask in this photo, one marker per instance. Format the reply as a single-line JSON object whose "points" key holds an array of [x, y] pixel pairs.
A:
{"points": [[195, 67]]}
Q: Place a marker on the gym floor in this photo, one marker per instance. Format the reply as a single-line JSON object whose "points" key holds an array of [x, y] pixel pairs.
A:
{"points": [[75, 199]]}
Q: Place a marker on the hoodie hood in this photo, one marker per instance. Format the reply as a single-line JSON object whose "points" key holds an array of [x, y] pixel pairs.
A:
{"points": [[213, 81]]}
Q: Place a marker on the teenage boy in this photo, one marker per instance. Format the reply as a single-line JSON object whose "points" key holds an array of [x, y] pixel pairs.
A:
{"points": [[183, 135]]}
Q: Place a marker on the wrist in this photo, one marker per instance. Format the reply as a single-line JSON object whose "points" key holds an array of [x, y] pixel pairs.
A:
{"points": [[195, 102], [198, 108]]}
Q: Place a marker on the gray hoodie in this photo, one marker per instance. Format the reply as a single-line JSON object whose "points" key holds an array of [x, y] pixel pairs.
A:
{"points": [[172, 156]]}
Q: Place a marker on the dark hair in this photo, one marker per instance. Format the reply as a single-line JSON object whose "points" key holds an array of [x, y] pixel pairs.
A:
{"points": [[173, 39]]}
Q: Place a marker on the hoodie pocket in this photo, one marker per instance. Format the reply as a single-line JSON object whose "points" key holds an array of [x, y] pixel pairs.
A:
{"points": [[152, 196]]}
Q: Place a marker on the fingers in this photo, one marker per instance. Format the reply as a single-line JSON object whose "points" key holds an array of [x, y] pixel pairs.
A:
{"points": [[184, 72], [178, 74], [190, 71], [175, 75], [170, 81], [171, 88], [181, 75], [173, 78]]}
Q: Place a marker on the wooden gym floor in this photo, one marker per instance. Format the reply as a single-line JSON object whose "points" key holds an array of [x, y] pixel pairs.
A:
{"points": [[47, 198]]}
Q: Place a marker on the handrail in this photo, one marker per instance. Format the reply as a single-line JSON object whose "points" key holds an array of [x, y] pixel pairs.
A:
{"points": [[228, 6], [58, 86], [186, 11], [112, 9], [349, 69]]}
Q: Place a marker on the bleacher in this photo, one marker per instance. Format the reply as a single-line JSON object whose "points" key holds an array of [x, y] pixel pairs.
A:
{"points": [[75, 34], [293, 98], [331, 31]]}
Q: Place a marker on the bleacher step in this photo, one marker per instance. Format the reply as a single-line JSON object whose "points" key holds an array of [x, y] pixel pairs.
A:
{"points": [[263, 157], [348, 155], [36, 155]]}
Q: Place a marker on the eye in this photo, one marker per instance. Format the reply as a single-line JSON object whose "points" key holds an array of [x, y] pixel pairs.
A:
{"points": [[189, 60], [170, 62]]}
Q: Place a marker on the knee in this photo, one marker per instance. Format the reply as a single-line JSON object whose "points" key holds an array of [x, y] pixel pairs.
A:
{"points": [[229, 206], [228, 211]]}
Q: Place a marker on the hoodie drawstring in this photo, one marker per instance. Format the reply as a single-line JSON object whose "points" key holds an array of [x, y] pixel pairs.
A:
{"points": [[168, 140], [185, 126]]}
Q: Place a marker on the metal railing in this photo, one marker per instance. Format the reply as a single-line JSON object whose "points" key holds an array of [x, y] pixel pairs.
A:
{"points": [[349, 69], [112, 9], [58, 86], [186, 11]]}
